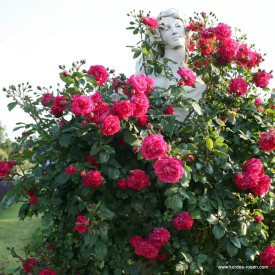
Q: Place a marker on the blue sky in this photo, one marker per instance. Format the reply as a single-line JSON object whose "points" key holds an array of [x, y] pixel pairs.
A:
{"points": [[38, 35]]}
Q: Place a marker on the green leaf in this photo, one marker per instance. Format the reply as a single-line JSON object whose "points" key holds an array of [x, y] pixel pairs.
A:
{"points": [[201, 258], [101, 251], [174, 202], [197, 108], [231, 249], [66, 79], [209, 169], [218, 231], [62, 178], [105, 213], [65, 140], [78, 74], [219, 153], [209, 144], [256, 227], [47, 219], [235, 241], [11, 105], [103, 157], [91, 79], [113, 173]]}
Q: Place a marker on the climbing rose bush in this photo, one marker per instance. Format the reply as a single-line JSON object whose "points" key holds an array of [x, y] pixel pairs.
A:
{"points": [[123, 187]]}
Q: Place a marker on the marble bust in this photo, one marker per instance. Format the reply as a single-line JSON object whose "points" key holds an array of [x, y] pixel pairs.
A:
{"points": [[172, 30]]}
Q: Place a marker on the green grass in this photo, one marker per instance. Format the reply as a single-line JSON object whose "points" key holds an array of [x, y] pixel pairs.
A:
{"points": [[15, 233]]}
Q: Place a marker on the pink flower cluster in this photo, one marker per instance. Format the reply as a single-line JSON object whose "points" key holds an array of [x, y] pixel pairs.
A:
{"points": [[137, 180], [267, 257], [247, 58], [151, 22], [92, 179], [29, 265], [253, 177], [81, 224], [183, 221], [5, 167], [261, 79], [267, 140], [187, 76], [239, 86], [228, 50], [151, 247]]}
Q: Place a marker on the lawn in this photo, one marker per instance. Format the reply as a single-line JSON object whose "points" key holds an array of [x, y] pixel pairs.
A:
{"points": [[15, 233]]}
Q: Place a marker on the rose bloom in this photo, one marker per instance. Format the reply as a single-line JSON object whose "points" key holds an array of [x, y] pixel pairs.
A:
{"points": [[141, 121], [146, 249], [141, 104], [92, 179], [261, 79], [136, 239], [29, 265], [5, 168], [196, 26], [169, 169], [247, 58], [267, 140], [254, 166], [33, 200], [92, 161], [99, 73], [96, 97], [239, 86], [223, 32], [138, 83], [187, 76], [169, 110], [82, 105], [153, 147], [258, 101], [267, 257], [182, 221], [122, 109], [70, 170], [246, 181], [258, 218], [150, 85], [151, 22], [228, 50], [56, 112], [47, 100], [138, 180], [122, 184], [190, 158], [205, 46], [110, 126], [60, 103], [99, 114], [192, 45], [159, 237], [46, 272], [81, 224], [262, 187], [208, 33]]}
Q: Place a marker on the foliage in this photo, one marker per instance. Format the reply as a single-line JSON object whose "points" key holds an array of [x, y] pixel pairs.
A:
{"points": [[222, 133]]}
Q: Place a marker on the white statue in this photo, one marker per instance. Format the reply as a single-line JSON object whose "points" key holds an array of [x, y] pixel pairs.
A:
{"points": [[172, 30]]}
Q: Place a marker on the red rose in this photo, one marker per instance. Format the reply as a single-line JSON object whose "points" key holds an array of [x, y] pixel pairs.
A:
{"points": [[110, 126], [190, 158], [151, 22], [141, 121], [93, 161], [238, 85], [187, 76], [223, 32], [46, 272], [205, 45], [60, 103], [258, 219], [96, 97], [56, 112], [228, 50], [33, 200], [99, 73], [70, 170], [47, 100], [81, 224], [150, 85], [267, 140], [82, 105], [153, 147], [267, 257], [261, 79], [5, 168], [136, 240], [138, 180], [254, 166], [169, 110], [169, 169], [146, 250], [262, 187], [141, 104], [100, 113], [92, 179], [138, 83], [29, 265], [159, 237], [122, 109], [182, 221], [122, 184]]}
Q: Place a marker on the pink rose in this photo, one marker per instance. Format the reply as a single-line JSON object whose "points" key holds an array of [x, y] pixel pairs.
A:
{"points": [[169, 110], [262, 187], [267, 257], [47, 272], [153, 147], [169, 169], [47, 100], [138, 180], [100, 113], [258, 218], [142, 120], [136, 240], [122, 109], [56, 112], [196, 26], [247, 58], [99, 73], [205, 45], [223, 32], [239, 86], [146, 250], [82, 105], [29, 265], [96, 97], [141, 104], [183, 221], [81, 224], [110, 126], [228, 50], [159, 237], [267, 140], [187, 76], [122, 184], [151, 22], [261, 79], [70, 170], [92, 179], [254, 166], [138, 83], [60, 103]]}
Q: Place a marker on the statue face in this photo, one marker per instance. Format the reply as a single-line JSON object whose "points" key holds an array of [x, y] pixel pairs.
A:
{"points": [[172, 32]]}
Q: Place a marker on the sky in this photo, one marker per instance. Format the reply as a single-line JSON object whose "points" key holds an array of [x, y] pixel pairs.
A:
{"points": [[38, 35]]}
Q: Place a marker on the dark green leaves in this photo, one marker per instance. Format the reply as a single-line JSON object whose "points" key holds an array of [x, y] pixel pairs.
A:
{"points": [[101, 250], [218, 231], [65, 140], [11, 105]]}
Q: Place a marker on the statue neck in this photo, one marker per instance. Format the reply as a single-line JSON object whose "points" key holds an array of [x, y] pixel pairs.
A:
{"points": [[176, 55]]}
